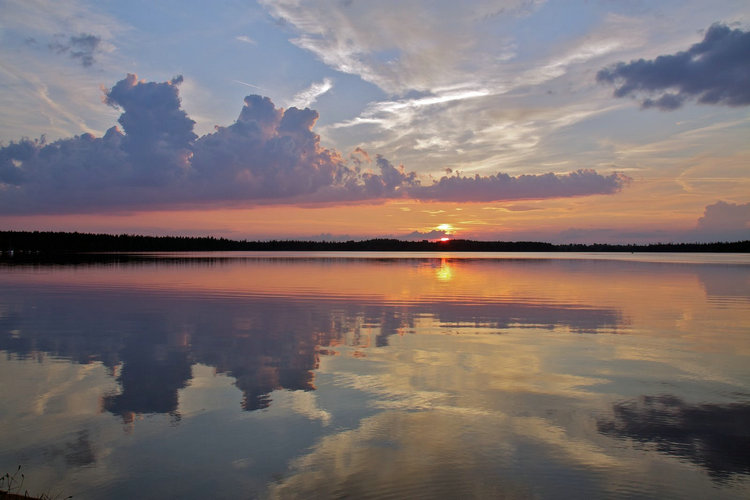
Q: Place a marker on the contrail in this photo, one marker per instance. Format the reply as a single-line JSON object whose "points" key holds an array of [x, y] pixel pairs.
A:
{"points": [[248, 85]]}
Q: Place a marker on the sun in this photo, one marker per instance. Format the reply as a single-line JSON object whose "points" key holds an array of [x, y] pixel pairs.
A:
{"points": [[447, 230]]}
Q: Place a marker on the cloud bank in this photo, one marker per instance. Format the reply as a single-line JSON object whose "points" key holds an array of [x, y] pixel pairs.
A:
{"points": [[713, 71], [268, 155], [505, 187]]}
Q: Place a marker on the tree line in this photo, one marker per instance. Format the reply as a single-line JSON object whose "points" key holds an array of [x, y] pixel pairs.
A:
{"points": [[55, 243]]}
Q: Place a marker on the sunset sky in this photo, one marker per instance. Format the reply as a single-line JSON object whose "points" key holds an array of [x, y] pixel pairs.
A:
{"points": [[566, 121]]}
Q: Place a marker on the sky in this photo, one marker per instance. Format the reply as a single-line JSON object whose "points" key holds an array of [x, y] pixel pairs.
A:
{"points": [[564, 121]]}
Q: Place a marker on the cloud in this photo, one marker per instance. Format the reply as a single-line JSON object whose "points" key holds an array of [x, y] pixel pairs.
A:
{"points": [[158, 133], [460, 82], [424, 235], [721, 221], [713, 71], [724, 220], [505, 187], [268, 155], [359, 157], [398, 45], [81, 47], [245, 39], [308, 96]]}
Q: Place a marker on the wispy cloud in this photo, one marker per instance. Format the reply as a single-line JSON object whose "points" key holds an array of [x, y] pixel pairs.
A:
{"points": [[397, 45], [53, 57], [308, 96], [495, 115], [245, 39], [390, 114]]}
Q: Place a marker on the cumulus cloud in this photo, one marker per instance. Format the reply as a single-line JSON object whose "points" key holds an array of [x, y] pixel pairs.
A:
{"points": [[80, 47], [159, 134], [713, 71], [268, 155], [732, 220]]}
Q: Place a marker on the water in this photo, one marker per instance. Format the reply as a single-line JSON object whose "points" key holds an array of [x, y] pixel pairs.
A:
{"points": [[378, 376]]}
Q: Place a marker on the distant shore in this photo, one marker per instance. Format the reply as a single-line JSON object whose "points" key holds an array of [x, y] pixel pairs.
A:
{"points": [[30, 244]]}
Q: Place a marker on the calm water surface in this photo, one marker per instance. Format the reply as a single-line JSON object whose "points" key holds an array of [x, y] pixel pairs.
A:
{"points": [[378, 375]]}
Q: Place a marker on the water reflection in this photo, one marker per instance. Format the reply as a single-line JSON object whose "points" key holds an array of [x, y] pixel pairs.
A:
{"points": [[153, 370], [150, 341], [713, 436], [78, 452], [379, 377]]}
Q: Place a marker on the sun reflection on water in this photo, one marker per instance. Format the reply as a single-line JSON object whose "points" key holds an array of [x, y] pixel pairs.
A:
{"points": [[445, 271]]}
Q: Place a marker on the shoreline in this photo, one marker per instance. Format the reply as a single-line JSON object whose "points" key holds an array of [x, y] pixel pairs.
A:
{"points": [[36, 244]]}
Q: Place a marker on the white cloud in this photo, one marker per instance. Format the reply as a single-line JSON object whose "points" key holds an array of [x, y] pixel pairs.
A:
{"points": [[471, 86], [399, 45], [246, 39], [308, 96]]}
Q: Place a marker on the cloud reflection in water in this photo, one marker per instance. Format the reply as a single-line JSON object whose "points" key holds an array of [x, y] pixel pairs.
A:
{"points": [[378, 376]]}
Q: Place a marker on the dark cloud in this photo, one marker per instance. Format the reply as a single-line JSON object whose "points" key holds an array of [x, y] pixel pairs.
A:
{"points": [[158, 133], [268, 155], [723, 215], [390, 180], [360, 159], [504, 187], [713, 71], [424, 235], [81, 47]]}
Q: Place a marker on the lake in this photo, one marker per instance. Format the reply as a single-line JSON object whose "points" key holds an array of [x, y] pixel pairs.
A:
{"points": [[367, 375]]}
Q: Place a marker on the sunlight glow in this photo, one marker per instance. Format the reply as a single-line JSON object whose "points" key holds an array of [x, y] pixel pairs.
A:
{"points": [[445, 271]]}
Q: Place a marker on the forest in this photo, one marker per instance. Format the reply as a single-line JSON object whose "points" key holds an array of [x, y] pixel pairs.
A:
{"points": [[17, 244]]}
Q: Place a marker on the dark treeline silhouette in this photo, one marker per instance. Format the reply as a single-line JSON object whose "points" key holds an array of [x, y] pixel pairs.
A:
{"points": [[25, 243]]}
